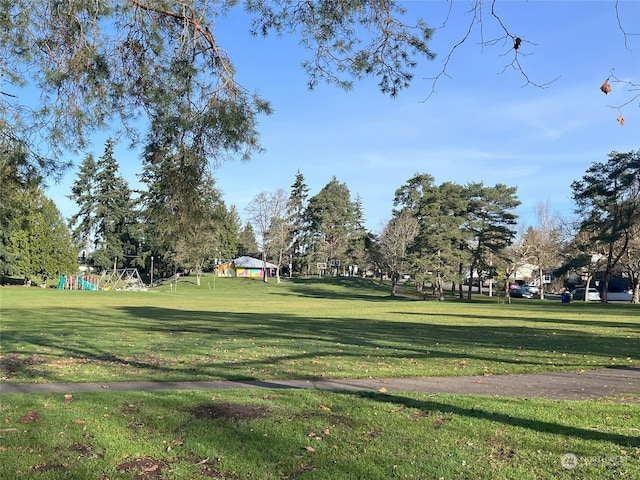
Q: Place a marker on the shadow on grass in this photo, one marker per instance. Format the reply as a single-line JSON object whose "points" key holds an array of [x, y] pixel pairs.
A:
{"points": [[480, 414], [160, 335]]}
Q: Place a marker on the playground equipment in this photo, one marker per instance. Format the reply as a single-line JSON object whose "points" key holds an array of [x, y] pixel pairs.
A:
{"points": [[77, 282], [121, 279]]}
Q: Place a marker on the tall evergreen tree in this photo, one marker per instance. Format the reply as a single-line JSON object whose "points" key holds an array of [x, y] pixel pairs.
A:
{"points": [[331, 216], [296, 214], [491, 222], [608, 200], [247, 240], [84, 221], [439, 249], [187, 223], [360, 240], [106, 216]]}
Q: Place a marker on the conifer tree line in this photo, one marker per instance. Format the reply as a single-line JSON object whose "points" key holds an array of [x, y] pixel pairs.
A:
{"points": [[439, 234]]}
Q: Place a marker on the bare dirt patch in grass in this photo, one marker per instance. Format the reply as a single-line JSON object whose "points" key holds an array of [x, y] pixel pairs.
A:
{"points": [[145, 468], [13, 364], [229, 410]]}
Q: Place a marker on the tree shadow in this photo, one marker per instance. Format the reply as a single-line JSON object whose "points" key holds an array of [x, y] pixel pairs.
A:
{"points": [[306, 336], [505, 419]]}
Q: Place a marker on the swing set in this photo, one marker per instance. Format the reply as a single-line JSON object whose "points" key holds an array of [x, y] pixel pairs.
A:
{"points": [[118, 279]]}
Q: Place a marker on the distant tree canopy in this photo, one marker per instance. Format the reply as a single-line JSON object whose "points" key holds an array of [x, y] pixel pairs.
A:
{"points": [[460, 227]]}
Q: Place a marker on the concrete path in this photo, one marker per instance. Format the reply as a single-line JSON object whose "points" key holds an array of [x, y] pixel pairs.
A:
{"points": [[621, 383]]}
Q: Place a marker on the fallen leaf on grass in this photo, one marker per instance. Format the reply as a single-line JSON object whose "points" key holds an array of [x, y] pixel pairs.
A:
{"points": [[30, 417], [309, 448], [324, 408]]}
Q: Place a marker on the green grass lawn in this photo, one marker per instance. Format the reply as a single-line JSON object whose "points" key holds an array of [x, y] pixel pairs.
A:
{"points": [[332, 328]]}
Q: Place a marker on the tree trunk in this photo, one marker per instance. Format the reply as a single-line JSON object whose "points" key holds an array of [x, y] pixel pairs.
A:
{"points": [[471, 268], [394, 283], [264, 267], [586, 288]]}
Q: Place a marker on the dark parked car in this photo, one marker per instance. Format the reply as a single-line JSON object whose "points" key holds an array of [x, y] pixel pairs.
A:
{"points": [[593, 295], [520, 293]]}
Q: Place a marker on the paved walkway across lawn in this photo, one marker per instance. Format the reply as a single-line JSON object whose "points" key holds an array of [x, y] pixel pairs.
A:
{"points": [[618, 383]]}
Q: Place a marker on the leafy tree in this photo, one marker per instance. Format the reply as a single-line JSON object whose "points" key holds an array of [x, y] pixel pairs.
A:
{"points": [[12, 185], [584, 257], [39, 239], [608, 200], [228, 224], [331, 216], [491, 222]]}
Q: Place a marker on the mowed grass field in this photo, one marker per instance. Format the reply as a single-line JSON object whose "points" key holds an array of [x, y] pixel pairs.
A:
{"points": [[331, 328], [307, 328]]}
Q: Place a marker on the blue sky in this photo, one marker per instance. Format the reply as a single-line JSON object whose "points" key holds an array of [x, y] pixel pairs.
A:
{"points": [[482, 123]]}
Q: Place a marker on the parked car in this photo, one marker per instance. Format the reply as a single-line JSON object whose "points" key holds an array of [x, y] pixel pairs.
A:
{"points": [[624, 296], [520, 293], [593, 295]]}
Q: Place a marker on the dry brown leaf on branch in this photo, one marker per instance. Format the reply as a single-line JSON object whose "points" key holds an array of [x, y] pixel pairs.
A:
{"points": [[605, 87], [620, 120]]}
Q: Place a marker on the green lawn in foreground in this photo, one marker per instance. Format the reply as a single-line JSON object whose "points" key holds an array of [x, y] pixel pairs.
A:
{"points": [[286, 434], [308, 328], [234, 328]]}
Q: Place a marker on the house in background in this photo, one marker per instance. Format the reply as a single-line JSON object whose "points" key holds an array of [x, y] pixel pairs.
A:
{"points": [[245, 266]]}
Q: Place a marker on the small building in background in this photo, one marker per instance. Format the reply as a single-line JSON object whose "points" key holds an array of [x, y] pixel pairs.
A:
{"points": [[245, 266]]}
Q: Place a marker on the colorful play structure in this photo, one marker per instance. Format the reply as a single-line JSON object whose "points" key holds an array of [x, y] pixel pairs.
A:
{"points": [[77, 282], [118, 279]]}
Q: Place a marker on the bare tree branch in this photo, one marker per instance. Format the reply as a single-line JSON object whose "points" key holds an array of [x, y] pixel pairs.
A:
{"points": [[509, 38]]}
